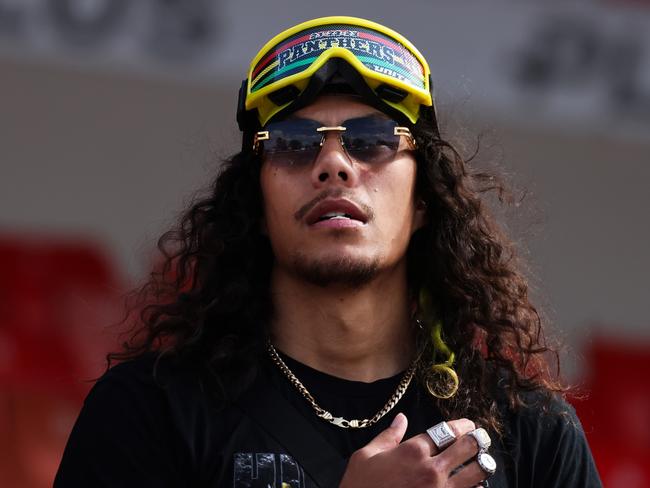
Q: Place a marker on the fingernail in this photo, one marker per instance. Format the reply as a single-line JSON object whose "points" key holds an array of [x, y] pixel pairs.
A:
{"points": [[397, 420]]}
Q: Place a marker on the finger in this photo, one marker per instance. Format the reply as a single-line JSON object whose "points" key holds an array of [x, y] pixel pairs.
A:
{"points": [[460, 427], [389, 438], [470, 475], [460, 452], [481, 437]]}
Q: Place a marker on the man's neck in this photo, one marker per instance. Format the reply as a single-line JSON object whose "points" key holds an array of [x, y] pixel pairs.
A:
{"points": [[360, 334]]}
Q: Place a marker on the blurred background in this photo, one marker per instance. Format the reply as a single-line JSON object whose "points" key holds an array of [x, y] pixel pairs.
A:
{"points": [[113, 113]]}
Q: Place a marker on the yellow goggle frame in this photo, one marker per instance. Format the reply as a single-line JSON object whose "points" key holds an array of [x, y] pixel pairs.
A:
{"points": [[380, 55]]}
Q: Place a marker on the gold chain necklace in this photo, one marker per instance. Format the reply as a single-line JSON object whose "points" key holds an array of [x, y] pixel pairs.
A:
{"points": [[340, 421]]}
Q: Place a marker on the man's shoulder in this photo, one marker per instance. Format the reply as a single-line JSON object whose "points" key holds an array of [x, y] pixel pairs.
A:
{"points": [[547, 441], [151, 378], [532, 406], [541, 415], [162, 393], [147, 367], [147, 370], [541, 406], [140, 369]]}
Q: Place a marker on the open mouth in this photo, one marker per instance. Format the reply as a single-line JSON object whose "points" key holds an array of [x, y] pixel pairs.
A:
{"points": [[335, 216], [336, 209]]}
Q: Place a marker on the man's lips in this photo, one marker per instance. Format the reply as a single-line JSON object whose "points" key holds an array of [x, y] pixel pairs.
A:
{"points": [[314, 211], [335, 206]]}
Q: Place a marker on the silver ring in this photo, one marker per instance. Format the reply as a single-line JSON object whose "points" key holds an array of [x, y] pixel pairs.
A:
{"points": [[486, 462], [441, 435], [482, 438]]}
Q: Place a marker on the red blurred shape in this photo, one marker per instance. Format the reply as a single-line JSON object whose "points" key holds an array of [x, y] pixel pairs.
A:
{"points": [[57, 298], [616, 414]]}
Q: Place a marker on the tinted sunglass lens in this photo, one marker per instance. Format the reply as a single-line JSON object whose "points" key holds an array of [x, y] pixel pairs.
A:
{"points": [[293, 142], [371, 139]]}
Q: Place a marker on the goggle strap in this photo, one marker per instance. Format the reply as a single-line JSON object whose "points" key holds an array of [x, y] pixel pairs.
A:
{"points": [[246, 119], [431, 113]]}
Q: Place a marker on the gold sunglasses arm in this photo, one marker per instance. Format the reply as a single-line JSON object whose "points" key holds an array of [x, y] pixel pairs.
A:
{"points": [[262, 135], [405, 131]]}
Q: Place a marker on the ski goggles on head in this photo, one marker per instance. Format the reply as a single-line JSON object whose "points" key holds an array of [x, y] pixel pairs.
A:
{"points": [[295, 142], [376, 62]]}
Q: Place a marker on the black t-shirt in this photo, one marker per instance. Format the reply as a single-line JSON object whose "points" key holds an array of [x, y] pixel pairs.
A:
{"points": [[172, 431]]}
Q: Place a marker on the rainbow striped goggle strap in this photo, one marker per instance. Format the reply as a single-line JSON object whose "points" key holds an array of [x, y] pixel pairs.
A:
{"points": [[381, 55]]}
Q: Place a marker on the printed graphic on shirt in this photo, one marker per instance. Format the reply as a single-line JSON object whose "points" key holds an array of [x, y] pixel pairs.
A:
{"points": [[266, 470]]}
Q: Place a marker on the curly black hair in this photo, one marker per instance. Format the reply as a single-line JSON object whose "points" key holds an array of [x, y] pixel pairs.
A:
{"points": [[210, 301]]}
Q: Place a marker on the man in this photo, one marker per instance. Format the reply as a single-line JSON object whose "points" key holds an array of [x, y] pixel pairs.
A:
{"points": [[340, 293]]}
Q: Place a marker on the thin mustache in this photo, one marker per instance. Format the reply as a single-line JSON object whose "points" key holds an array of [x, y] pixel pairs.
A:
{"points": [[336, 193]]}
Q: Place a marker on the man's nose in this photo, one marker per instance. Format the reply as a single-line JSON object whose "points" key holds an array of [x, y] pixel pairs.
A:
{"points": [[332, 164]]}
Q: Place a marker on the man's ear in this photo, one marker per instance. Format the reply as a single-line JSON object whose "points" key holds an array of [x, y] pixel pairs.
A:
{"points": [[420, 214]]}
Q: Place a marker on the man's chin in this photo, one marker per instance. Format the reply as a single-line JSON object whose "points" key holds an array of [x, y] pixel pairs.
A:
{"points": [[336, 270]]}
